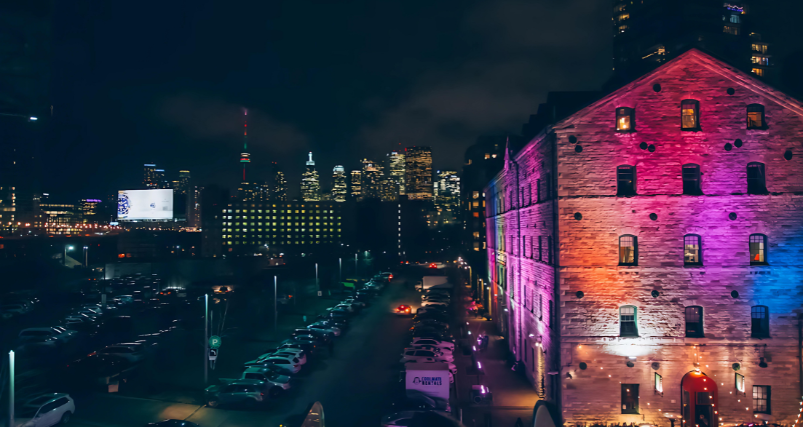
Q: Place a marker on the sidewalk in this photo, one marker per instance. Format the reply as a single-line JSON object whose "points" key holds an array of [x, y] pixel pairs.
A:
{"points": [[513, 396]]}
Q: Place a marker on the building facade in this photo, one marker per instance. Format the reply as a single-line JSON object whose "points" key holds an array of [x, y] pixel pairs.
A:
{"points": [[418, 173], [339, 188], [253, 227], [310, 182], [644, 252], [355, 185], [396, 171], [447, 197]]}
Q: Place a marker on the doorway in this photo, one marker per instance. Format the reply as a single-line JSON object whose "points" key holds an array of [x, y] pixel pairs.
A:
{"points": [[699, 400]]}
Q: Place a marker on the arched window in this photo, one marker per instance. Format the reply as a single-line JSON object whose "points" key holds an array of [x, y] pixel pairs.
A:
{"points": [[755, 117], [759, 321], [694, 322], [691, 179], [625, 180], [627, 321], [692, 250], [625, 119], [758, 249], [690, 114], [756, 178], [628, 250]]}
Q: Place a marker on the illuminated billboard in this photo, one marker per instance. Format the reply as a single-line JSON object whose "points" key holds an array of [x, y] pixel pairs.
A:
{"points": [[153, 205]]}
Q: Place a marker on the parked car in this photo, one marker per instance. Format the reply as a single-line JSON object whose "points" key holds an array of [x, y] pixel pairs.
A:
{"points": [[238, 392], [452, 367], [431, 322], [330, 329], [437, 350], [354, 301], [435, 343], [298, 352], [46, 410], [97, 369], [434, 302], [8, 311], [323, 337], [413, 354], [284, 364], [133, 351], [277, 382], [306, 345], [56, 334]]}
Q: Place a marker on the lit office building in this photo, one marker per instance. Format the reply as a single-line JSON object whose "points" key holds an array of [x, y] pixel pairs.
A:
{"points": [[356, 185], [418, 173], [151, 178], [248, 192], [339, 184], [371, 180], [89, 210], [396, 170], [278, 184], [447, 197], [250, 227], [310, 183]]}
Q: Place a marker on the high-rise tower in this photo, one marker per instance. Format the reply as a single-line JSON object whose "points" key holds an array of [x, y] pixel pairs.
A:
{"points": [[356, 185], [396, 170], [418, 173], [310, 184], [278, 183], [339, 184], [245, 157]]}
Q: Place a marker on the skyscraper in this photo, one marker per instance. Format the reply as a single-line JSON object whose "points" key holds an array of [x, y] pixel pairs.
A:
{"points": [[447, 197], [418, 173], [356, 185], [245, 157], [371, 179], [649, 33], [310, 184], [151, 178], [396, 170], [278, 183], [183, 182], [339, 184]]}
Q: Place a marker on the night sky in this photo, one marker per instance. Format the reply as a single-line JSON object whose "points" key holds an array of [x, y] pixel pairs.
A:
{"points": [[167, 81]]}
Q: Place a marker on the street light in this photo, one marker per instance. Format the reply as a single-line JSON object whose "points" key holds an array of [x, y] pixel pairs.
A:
{"points": [[86, 256], [340, 267], [67, 248]]}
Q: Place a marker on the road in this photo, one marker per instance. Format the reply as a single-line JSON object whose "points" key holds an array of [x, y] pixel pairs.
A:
{"points": [[356, 385]]}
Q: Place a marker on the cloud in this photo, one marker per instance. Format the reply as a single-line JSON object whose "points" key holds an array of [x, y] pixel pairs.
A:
{"points": [[520, 50]]}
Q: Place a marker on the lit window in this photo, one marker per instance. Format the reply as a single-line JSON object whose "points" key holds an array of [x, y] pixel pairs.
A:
{"points": [[755, 116], [625, 119], [735, 19], [659, 383], [627, 321], [694, 322], [740, 383], [691, 250], [730, 29], [758, 245], [625, 180], [761, 399], [758, 71], [756, 183], [691, 179], [690, 114], [628, 251], [759, 321]]}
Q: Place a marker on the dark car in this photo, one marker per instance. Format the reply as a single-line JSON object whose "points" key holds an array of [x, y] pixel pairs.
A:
{"points": [[325, 336], [317, 339], [306, 345], [240, 392], [430, 322]]}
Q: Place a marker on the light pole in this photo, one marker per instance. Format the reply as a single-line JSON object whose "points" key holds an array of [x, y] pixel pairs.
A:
{"points": [[86, 256], [206, 338], [66, 248], [317, 284], [340, 268], [356, 269], [11, 388], [275, 306]]}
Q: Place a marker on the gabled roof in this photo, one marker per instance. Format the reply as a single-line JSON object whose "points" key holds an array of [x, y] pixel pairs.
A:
{"points": [[701, 59]]}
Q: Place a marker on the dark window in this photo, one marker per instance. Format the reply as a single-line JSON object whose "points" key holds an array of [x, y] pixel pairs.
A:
{"points": [[755, 116], [692, 250], [549, 250], [540, 250], [690, 114], [691, 179], [694, 322], [758, 249], [625, 180], [551, 314], [625, 119], [627, 321], [538, 190], [630, 399], [628, 250], [761, 399], [756, 181], [759, 321]]}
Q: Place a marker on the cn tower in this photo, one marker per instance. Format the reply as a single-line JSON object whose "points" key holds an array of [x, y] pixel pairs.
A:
{"points": [[245, 157]]}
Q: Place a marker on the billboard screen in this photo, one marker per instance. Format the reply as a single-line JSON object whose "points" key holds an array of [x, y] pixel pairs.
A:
{"points": [[144, 205]]}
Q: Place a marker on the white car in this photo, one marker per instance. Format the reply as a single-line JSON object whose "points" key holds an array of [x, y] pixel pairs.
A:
{"points": [[288, 364], [132, 351], [434, 302], [439, 350], [432, 342], [415, 353], [353, 301], [277, 382], [289, 353], [334, 330], [45, 411], [412, 354], [406, 418], [346, 307]]}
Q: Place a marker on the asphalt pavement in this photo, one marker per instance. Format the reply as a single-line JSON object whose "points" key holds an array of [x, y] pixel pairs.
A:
{"points": [[356, 384]]}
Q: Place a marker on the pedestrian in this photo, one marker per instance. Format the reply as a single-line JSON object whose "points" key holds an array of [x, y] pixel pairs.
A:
{"points": [[331, 347]]}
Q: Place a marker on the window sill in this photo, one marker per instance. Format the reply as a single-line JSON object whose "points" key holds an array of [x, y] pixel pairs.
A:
{"points": [[759, 264], [628, 265], [691, 130], [692, 265], [629, 336], [759, 128], [625, 131]]}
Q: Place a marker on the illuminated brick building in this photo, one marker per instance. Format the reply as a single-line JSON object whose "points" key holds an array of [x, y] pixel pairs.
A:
{"points": [[645, 252]]}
